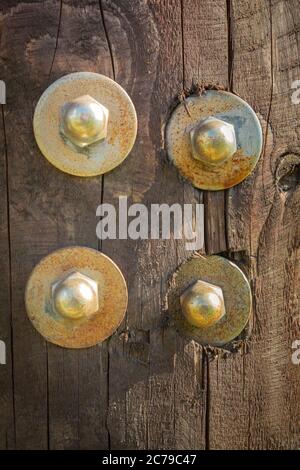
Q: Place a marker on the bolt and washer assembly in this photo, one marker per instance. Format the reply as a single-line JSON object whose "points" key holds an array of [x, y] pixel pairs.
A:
{"points": [[85, 124], [214, 139], [209, 300], [76, 297]]}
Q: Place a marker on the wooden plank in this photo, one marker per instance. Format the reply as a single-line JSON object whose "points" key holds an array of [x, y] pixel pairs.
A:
{"points": [[253, 402], [60, 395], [149, 364], [206, 60], [7, 430], [29, 360]]}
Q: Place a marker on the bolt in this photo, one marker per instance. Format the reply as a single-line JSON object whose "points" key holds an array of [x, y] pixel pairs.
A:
{"points": [[75, 296], [213, 141], [84, 121], [202, 304]]}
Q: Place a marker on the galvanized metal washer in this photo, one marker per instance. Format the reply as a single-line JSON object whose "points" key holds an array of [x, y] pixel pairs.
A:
{"points": [[236, 291], [113, 297], [233, 110], [97, 158]]}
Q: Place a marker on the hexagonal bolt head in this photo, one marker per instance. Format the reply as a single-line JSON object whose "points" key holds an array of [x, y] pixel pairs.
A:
{"points": [[75, 296], [213, 141], [84, 121], [202, 304]]}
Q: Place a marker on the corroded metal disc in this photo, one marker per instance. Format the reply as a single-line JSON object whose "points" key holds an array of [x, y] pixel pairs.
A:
{"points": [[99, 157], [87, 331], [229, 108], [237, 297]]}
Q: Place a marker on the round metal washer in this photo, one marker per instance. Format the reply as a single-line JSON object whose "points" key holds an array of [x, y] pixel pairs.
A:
{"points": [[97, 158], [221, 105], [236, 292], [113, 297]]}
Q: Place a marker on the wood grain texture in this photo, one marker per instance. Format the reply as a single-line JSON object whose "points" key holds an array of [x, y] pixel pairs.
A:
{"points": [[147, 387], [206, 59], [253, 404], [7, 437], [147, 391]]}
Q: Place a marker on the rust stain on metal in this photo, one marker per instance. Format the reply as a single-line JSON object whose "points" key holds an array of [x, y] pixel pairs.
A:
{"points": [[224, 274], [225, 106], [99, 157], [87, 330]]}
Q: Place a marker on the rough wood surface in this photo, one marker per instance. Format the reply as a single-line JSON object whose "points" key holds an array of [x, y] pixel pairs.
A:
{"points": [[147, 387]]}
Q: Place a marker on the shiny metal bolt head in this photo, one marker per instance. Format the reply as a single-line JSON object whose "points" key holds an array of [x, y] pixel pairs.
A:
{"points": [[75, 296], [213, 141], [202, 304], [84, 121]]}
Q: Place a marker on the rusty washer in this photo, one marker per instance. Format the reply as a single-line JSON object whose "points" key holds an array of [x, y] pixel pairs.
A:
{"points": [[214, 139], [76, 297], [85, 124], [210, 300]]}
